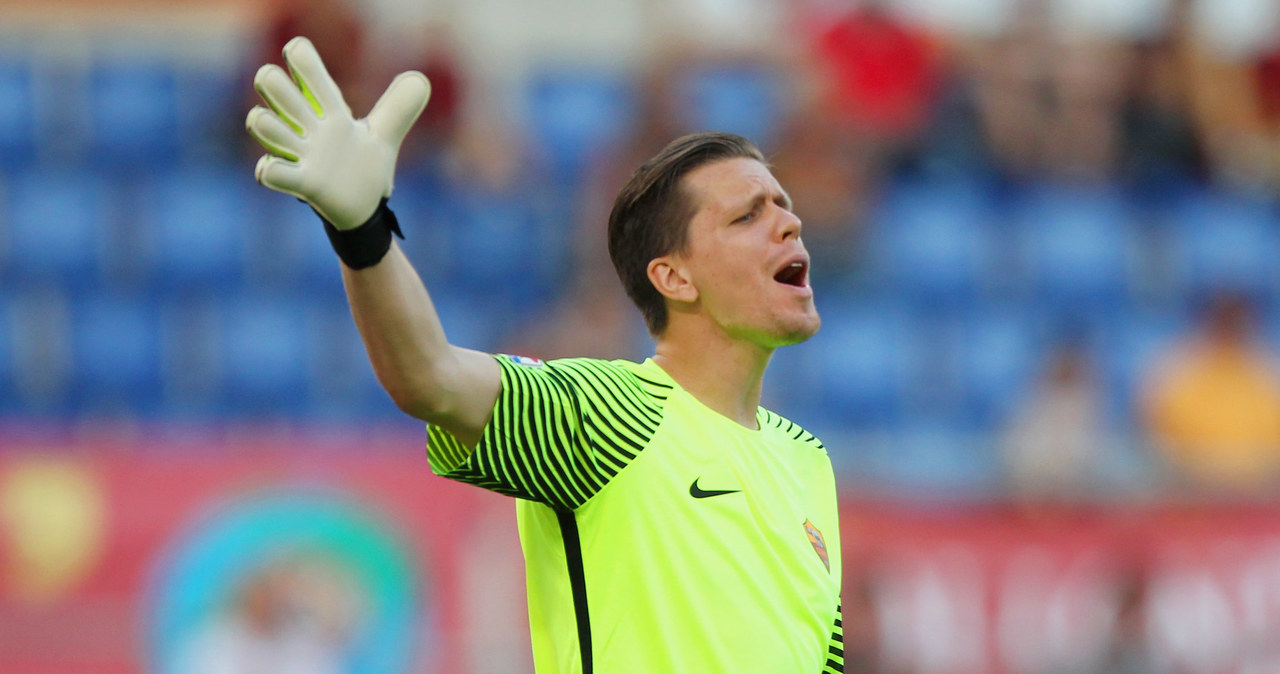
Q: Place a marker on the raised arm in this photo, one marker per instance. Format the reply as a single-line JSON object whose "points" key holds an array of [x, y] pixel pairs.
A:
{"points": [[344, 168]]}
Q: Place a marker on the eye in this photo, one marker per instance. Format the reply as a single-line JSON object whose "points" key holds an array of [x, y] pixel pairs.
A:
{"points": [[749, 215]]}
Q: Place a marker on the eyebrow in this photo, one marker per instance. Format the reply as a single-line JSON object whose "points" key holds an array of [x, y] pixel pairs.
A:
{"points": [[762, 195]]}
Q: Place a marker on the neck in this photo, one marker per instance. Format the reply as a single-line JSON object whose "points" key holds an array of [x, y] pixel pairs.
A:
{"points": [[723, 373]]}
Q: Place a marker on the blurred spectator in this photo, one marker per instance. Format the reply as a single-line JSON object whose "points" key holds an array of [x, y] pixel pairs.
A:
{"points": [[593, 318], [338, 33], [1009, 70], [876, 77], [1128, 649], [1086, 85], [1159, 140], [1227, 46], [1211, 404], [293, 616], [723, 29], [879, 73], [1049, 92], [864, 652], [434, 54], [1056, 445]]}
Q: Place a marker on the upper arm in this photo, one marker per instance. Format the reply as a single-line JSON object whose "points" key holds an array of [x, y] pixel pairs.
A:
{"points": [[474, 380], [556, 432]]}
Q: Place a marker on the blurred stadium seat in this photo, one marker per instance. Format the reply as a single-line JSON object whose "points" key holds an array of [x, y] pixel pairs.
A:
{"points": [[116, 355], [934, 244], [575, 115], [742, 98], [1126, 349], [1221, 241], [503, 249], [135, 112], [210, 111], [196, 227], [60, 222], [290, 249], [265, 355], [995, 356], [930, 458], [863, 364], [17, 111], [9, 403], [1078, 249], [341, 383]]}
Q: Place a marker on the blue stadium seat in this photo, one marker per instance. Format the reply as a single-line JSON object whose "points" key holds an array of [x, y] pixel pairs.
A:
{"points": [[933, 244], [1078, 249], [576, 115], [932, 458], [995, 354], [743, 98], [9, 403], [197, 227], [115, 354], [17, 112], [60, 222], [210, 111], [134, 120], [502, 249], [265, 355], [290, 248], [341, 380], [1127, 349], [1222, 242], [863, 363]]}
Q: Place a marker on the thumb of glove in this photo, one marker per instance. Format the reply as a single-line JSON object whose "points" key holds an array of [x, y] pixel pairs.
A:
{"points": [[399, 107]]}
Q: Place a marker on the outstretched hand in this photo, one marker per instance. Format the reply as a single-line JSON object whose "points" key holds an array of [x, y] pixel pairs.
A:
{"points": [[317, 151]]}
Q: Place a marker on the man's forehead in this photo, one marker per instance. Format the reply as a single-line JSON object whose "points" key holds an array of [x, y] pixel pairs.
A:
{"points": [[730, 181]]}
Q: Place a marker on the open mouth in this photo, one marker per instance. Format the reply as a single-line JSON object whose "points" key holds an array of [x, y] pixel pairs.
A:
{"points": [[795, 273]]}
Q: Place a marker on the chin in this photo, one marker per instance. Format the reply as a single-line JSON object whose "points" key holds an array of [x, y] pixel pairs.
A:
{"points": [[801, 331]]}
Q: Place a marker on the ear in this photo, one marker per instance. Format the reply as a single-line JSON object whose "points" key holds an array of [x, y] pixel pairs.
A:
{"points": [[672, 279]]}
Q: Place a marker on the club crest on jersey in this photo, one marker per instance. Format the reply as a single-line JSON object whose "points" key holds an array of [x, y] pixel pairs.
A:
{"points": [[526, 361], [818, 543]]}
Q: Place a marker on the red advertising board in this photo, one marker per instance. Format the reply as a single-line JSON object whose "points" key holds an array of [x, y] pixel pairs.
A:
{"points": [[148, 559]]}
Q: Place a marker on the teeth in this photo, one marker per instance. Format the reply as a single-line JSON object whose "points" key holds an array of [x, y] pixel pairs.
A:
{"points": [[796, 265]]}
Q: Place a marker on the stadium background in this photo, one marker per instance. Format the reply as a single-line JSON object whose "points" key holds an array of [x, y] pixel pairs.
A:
{"points": [[191, 439]]}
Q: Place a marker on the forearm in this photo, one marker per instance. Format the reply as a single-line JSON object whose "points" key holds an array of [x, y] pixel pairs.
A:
{"points": [[411, 356], [344, 168]]}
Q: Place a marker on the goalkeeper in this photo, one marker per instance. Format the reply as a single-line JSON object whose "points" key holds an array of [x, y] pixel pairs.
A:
{"points": [[669, 523]]}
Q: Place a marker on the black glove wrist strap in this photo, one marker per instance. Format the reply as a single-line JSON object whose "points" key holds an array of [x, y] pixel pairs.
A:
{"points": [[365, 246]]}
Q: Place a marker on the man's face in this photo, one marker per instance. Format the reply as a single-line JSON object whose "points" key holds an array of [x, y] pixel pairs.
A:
{"points": [[744, 255]]}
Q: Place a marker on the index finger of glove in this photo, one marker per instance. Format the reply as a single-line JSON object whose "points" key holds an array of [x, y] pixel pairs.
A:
{"points": [[317, 85], [279, 91]]}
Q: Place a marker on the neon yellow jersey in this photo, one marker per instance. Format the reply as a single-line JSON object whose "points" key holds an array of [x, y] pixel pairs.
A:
{"points": [[659, 535]]}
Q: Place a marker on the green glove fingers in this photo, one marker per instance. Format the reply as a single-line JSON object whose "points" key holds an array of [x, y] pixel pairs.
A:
{"points": [[279, 92], [313, 78], [281, 175], [342, 167], [274, 134]]}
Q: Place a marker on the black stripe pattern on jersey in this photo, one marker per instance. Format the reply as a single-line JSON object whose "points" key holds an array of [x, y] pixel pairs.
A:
{"points": [[835, 649], [577, 583], [792, 429], [559, 433]]}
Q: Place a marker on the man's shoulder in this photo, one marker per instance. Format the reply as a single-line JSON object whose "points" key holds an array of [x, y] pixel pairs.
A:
{"points": [[786, 427], [599, 375]]}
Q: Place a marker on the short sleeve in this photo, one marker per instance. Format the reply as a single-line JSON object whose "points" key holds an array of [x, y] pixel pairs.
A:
{"points": [[559, 432]]}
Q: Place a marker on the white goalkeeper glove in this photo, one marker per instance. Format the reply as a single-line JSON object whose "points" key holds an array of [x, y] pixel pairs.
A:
{"points": [[343, 167]]}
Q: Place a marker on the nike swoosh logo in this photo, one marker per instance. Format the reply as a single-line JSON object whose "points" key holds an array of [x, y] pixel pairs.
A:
{"points": [[698, 492]]}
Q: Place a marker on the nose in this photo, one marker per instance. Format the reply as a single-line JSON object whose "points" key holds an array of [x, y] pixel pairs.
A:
{"points": [[790, 225]]}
